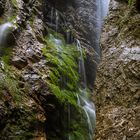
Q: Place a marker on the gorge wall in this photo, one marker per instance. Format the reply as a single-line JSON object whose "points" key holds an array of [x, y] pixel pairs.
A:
{"points": [[117, 87], [44, 46], [45, 92]]}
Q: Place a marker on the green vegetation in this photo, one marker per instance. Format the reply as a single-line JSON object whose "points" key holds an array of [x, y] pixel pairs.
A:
{"points": [[19, 119], [63, 61], [64, 83], [14, 3], [7, 55], [130, 2], [9, 83]]}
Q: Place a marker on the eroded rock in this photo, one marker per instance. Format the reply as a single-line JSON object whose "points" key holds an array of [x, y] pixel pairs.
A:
{"points": [[118, 84]]}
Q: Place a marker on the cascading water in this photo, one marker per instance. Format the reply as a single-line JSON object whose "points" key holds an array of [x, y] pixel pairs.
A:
{"points": [[83, 101], [86, 106], [4, 31], [103, 8], [57, 20], [88, 115], [82, 98], [81, 65]]}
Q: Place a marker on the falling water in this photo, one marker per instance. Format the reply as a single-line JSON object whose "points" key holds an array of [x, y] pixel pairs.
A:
{"points": [[54, 19], [57, 20], [89, 109], [81, 65], [4, 30], [52, 14], [104, 7], [82, 99], [56, 41]]}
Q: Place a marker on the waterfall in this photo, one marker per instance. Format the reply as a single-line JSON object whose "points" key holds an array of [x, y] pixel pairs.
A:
{"points": [[57, 20], [104, 7], [4, 30], [81, 65], [89, 109], [83, 96], [82, 99]]}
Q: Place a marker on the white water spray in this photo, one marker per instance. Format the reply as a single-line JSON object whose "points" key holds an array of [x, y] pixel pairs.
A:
{"points": [[82, 99], [82, 71], [4, 31], [57, 20]]}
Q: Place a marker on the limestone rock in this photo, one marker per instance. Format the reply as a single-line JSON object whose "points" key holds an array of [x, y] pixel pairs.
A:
{"points": [[118, 84]]}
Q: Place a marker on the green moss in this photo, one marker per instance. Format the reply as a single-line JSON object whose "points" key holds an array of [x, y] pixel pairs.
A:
{"points": [[130, 2], [9, 83], [7, 55], [64, 83], [63, 62], [19, 118]]}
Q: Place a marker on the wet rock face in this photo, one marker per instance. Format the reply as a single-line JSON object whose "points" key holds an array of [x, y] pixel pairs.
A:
{"points": [[81, 18], [81, 15], [23, 119], [117, 85]]}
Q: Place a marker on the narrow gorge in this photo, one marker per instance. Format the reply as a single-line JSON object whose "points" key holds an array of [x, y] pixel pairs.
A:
{"points": [[69, 70]]}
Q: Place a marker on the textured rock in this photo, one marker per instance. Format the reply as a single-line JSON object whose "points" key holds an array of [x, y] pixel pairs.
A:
{"points": [[83, 19], [21, 114], [118, 85]]}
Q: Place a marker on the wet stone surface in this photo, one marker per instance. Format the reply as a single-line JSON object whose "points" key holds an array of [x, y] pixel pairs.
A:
{"points": [[117, 88]]}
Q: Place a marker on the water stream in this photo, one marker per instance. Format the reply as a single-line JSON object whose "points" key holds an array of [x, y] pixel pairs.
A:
{"points": [[57, 20], [82, 71], [104, 7], [4, 31], [82, 99]]}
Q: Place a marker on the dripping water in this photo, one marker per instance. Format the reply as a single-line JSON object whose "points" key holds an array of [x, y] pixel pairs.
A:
{"points": [[82, 99], [89, 110], [52, 14], [54, 19], [81, 65], [56, 41], [4, 31], [57, 20]]}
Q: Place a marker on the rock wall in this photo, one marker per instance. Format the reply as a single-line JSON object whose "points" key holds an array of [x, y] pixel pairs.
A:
{"points": [[117, 88], [38, 83], [83, 19], [22, 116]]}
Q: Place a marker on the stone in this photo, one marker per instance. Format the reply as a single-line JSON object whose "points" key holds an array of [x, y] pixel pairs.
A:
{"points": [[117, 83], [19, 62]]}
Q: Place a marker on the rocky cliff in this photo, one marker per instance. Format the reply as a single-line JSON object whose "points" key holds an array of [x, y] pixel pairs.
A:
{"points": [[118, 78], [42, 73], [48, 60]]}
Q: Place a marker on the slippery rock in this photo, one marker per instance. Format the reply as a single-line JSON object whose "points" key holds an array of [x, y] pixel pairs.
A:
{"points": [[19, 62], [118, 84]]}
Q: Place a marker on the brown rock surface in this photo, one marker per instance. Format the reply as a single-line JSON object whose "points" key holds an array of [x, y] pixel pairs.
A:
{"points": [[117, 88]]}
